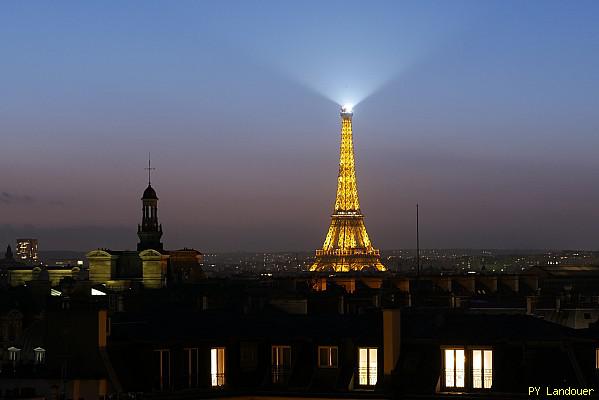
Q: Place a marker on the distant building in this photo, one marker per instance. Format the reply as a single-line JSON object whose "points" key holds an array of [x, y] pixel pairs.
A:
{"points": [[16, 272], [150, 265], [27, 251]]}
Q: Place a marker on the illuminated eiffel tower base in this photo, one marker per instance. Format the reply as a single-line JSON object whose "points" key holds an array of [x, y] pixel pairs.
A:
{"points": [[347, 246]]}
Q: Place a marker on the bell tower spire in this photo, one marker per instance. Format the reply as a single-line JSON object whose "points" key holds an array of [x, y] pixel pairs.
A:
{"points": [[150, 169], [149, 231]]}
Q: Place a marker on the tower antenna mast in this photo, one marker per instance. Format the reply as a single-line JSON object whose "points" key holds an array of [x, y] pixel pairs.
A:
{"points": [[417, 244]]}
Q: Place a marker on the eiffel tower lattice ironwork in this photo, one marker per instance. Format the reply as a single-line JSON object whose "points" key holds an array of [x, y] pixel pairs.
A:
{"points": [[347, 246]]}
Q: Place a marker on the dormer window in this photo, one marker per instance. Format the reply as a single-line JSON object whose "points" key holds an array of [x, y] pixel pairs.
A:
{"points": [[281, 363], [40, 355], [327, 356], [162, 368], [367, 366], [482, 369], [192, 366], [467, 369], [217, 366], [14, 354], [454, 363]]}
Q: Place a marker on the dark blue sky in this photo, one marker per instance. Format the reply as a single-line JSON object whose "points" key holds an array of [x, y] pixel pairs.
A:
{"points": [[486, 113]]}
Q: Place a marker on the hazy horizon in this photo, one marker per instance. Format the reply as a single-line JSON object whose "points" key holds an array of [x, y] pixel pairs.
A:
{"points": [[484, 113]]}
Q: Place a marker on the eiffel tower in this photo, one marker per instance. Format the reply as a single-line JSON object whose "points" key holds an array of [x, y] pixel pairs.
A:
{"points": [[347, 246]]}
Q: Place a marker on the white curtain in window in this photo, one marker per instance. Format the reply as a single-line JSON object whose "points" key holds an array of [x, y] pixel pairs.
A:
{"points": [[217, 366], [488, 369], [363, 366], [449, 368], [460, 361], [372, 366]]}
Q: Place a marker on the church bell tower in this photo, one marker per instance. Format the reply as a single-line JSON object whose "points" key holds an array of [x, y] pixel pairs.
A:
{"points": [[150, 231]]}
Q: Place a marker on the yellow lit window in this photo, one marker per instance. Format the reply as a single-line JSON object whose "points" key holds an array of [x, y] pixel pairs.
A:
{"points": [[217, 366], [367, 366], [454, 365], [482, 369], [597, 358], [327, 356]]}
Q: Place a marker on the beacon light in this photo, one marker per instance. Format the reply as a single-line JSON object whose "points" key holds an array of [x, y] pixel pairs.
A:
{"points": [[346, 108]]}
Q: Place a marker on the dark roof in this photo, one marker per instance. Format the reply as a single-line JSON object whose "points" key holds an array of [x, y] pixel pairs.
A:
{"points": [[462, 326], [270, 324], [150, 193]]}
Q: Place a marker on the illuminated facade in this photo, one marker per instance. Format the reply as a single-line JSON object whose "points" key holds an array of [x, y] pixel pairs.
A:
{"points": [[347, 246], [27, 250], [150, 264]]}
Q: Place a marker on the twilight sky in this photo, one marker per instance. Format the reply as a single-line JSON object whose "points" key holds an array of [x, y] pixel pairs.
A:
{"points": [[485, 113]]}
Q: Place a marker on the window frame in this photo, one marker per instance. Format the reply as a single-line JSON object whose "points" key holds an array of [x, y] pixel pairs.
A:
{"points": [[248, 356], [468, 369], [193, 379], [333, 363], [218, 379], [369, 381], [165, 381], [470, 364], [280, 372], [454, 387]]}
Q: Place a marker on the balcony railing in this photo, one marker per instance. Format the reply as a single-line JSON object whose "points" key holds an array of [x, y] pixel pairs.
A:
{"points": [[217, 379], [482, 379], [454, 379], [367, 376], [348, 252]]}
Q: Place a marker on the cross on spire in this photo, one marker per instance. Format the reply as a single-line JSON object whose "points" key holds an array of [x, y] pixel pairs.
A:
{"points": [[150, 169]]}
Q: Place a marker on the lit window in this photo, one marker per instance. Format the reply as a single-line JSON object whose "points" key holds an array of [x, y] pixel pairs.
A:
{"points": [[281, 363], [597, 358], [217, 366], [327, 356], [163, 368], [482, 369], [191, 366], [454, 364], [367, 366], [40, 355]]}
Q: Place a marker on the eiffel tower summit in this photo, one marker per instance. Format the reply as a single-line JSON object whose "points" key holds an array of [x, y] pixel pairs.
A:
{"points": [[347, 246]]}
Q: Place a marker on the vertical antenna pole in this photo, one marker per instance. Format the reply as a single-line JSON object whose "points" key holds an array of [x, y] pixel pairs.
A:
{"points": [[417, 286], [150, 169], [417, 243]]}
